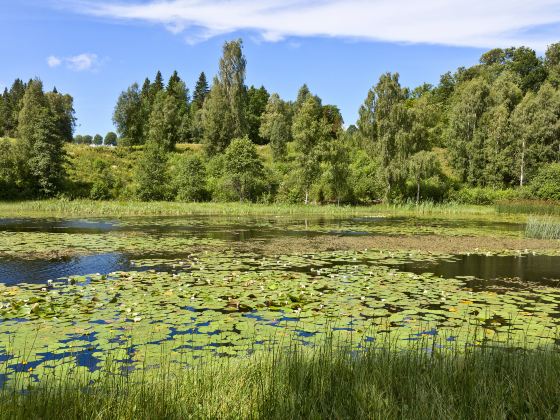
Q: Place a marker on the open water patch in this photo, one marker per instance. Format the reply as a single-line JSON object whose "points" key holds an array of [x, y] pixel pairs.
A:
{"points": [[492, 270]]}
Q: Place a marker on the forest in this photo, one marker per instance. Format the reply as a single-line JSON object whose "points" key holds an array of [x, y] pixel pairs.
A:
{"points": [[482, 134]]}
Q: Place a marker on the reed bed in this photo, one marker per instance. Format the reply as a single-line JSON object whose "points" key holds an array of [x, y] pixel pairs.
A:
{"points": [[543, 228], [424, 382], [546, 208]]}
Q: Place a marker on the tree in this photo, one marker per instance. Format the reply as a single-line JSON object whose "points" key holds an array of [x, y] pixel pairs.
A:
{"points": [[423, 165], [276, 126], [190, 179], [242, 167], [388, 121], [177, 90], [536, 124], [62, 107], [41, 141], [201, 90], [129, 116], [336, 170], [257, 100], [552, 64], [223, 115], [98, 140], [468, 105], [110, 139], [496, 131], [151, 172], [528, 66], [165, 121], [87, 139], [309, 129]]}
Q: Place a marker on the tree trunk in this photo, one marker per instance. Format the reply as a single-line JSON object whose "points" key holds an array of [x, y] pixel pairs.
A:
{"points": [[522, 169], [306, 197], [417, 193]]}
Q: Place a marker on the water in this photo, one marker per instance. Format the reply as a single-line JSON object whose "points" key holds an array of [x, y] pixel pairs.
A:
{"points": [[540, 269], [493, 270]]}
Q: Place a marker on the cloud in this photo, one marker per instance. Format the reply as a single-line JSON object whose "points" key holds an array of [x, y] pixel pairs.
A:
{"points": [[80, 62], [53, 61], [470, 23]]}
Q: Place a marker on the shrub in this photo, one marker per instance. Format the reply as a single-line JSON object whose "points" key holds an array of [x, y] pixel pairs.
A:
{"points": [[189, 179], [546, 184]]}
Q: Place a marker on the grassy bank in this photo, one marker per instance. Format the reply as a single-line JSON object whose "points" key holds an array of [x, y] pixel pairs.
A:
{"points": [[85, 208], [484, 382]]}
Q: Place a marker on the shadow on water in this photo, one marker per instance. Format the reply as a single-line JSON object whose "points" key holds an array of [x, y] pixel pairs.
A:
{"points": [[494, 271]]}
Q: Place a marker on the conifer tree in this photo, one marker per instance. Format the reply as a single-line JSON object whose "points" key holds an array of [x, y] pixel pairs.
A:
{"points": [[42, 144]]}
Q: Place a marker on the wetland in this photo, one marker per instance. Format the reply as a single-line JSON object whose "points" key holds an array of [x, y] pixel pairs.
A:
{"points": [[79, 291]]}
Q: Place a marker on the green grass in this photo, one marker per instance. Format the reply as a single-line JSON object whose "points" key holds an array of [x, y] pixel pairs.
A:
{"points": [[91, 208], [543, 228], [325, 382], [529, 207]]}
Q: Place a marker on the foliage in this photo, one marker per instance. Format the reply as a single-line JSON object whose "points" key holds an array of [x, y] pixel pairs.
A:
{"points": [[546, 184], [41, 142], [275, 126], [189, 179], [151, 173], [243, 168]]}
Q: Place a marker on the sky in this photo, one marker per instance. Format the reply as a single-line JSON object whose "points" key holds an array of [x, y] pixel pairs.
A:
{"points": [[94, 49]]}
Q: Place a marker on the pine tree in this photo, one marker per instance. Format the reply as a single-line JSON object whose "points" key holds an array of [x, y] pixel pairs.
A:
{"points": [[200, 92], [42, 144]]}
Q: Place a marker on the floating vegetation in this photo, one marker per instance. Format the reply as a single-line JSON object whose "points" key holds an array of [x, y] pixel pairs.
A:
{"points": [[543, 228], [232, 304]]}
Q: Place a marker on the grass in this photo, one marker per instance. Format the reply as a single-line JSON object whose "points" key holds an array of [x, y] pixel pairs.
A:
{"points": [[133, 208], [543, 228], [547, 208], [325, 382]]}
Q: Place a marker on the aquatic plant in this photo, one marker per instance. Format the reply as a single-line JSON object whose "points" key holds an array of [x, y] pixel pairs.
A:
{"points": [[543, 228]]}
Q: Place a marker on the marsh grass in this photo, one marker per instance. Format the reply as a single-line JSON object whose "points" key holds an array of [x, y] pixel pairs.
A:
{"points": [[328, 381], [543, 228], [90, 208], [546, 208]]}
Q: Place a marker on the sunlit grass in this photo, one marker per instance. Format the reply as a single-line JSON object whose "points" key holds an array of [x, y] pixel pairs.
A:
{"points": [[325, 382], [543, 228]]}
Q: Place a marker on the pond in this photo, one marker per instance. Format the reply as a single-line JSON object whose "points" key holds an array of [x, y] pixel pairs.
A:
{"points": [[86, 292]]}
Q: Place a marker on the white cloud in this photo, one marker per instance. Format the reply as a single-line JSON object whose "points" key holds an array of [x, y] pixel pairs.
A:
{"points": [[80, 62], [473, 23], [53, 61]]}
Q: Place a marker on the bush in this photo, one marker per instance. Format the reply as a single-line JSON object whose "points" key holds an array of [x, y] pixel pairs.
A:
{"points": [[482, 196], [189, 179], [546, 184]]}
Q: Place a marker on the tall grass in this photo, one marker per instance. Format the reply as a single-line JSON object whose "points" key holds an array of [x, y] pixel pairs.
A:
{"points": [[327, 382], [547, 208], [89, 208], [543, 228]]}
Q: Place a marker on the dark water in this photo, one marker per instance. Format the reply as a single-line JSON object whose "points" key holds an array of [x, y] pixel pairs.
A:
{"points": [[498, 270], [539, 269], [14, 271]]}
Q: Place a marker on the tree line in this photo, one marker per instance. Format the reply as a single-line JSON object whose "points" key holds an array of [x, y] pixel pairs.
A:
{"points": [[492, 126]]}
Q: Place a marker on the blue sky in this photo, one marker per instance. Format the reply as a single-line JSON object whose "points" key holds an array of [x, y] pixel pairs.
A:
{"points": [[95, 49]]}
